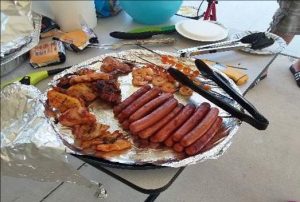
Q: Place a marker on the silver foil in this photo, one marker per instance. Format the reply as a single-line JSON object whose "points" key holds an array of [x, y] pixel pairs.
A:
{"points": [[16, 25], [162, 157], [20, 47], [30, 148]]}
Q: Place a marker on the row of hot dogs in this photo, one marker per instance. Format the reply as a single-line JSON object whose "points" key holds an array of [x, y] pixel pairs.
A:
{"points": [[150, 114]]}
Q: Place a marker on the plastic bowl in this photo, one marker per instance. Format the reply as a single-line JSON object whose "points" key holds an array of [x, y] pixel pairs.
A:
{"points": [[150, 12]]}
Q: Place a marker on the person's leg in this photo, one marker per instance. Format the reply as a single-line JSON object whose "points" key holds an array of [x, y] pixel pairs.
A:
{"points": [[286, 24], [294, 68]]}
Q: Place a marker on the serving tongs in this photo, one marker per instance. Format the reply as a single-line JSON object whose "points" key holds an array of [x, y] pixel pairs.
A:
{"points": [[254, 41], [257, 120]]}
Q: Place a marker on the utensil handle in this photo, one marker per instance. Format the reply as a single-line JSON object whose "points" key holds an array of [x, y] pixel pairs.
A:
{"points": [[127, 35]]}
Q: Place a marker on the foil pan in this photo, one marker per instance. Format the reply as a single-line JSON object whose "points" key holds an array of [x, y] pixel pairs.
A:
{"points": [[16, 25], [30, 148], [13, 60], [140, 156]]}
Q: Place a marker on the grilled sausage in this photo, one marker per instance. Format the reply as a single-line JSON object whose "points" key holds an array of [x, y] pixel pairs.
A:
{"points": [[154, 116], [178, 148], [176, 122], [152, 129], [130, 109], [202, 141], [169, 142], [199, 114], [153, 104], [201, 128], [117, 109], [125, 125], [222, 133]]}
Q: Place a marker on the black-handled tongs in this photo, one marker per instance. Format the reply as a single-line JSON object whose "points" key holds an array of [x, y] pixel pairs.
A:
{"points": [[256, 120], [254, 41]]}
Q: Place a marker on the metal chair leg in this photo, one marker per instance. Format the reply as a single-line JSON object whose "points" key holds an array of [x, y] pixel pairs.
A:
{"points": [[152, 197]]}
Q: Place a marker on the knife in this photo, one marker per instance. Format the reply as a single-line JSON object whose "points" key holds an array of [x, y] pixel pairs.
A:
{"points": [[144, 32], [35, 77]]}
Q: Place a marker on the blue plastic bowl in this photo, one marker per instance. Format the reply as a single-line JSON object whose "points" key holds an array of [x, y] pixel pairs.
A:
{"points": [[150, 12]]}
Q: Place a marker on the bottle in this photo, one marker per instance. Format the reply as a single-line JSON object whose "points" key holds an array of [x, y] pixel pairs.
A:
{"points": [[69, 15]]}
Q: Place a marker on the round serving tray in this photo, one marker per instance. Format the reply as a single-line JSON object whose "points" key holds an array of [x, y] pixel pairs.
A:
{"points": [[146, 158]]}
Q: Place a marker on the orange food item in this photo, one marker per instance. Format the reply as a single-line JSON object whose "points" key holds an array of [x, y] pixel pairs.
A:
{"points": [[83, 91], [118, 145], [186, 71], [61, 101], [159, 81], [168, 87], [185, 91], [76, 116]]}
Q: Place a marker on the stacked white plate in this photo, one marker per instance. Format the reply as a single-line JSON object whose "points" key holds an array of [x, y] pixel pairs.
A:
{"points": [[202, 30]]}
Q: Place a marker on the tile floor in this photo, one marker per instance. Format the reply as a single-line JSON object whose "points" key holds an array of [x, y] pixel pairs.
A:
{"points": [[257, 167]]}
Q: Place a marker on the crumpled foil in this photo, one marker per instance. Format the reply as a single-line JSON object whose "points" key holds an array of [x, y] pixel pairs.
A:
{"points": [[16, 25], [30, 148], [140, 156], [20, 31]]}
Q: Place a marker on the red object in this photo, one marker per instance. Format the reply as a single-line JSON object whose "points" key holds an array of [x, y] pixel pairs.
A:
{"points": [[210, 13]]}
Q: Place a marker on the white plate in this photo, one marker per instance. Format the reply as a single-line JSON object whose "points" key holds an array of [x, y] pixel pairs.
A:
{"points": [[278, 45], [201, 30]]}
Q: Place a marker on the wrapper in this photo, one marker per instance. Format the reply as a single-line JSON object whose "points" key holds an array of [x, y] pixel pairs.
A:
{"points": [[140, 156], [30, 148]]}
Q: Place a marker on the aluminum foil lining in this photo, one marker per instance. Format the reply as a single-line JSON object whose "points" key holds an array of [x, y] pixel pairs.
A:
{"points": [[20, 50], [140, 156], [30, 148]]}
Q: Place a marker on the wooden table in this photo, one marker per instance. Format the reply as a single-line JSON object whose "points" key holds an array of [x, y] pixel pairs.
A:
{"points": [[151, 181]]}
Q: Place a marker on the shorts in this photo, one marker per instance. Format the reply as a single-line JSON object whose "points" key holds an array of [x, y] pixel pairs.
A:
{"points": [[287, 17]]}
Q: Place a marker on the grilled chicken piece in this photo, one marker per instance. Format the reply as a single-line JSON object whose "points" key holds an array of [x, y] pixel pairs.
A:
{"points": [[90, 131], [61, 101], [89, 78], [119, 144], [76, 116], [64, 82], [83, 91], [114, 66], [108, 90]]}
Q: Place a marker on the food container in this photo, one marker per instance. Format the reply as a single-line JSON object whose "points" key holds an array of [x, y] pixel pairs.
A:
{"points": [[14, 60]]}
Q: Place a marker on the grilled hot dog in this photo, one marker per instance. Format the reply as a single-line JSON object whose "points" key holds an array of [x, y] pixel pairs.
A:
{"points": [[201, 128], [178, 148], [199, 114], [152, 129], [117, 109], [164, 132], [130, 109], [154, 116], [202, 141], [153, 104]]}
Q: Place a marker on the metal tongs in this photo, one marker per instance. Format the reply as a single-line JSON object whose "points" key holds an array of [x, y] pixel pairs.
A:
{"points": [[257, 120], [254, 41]]}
